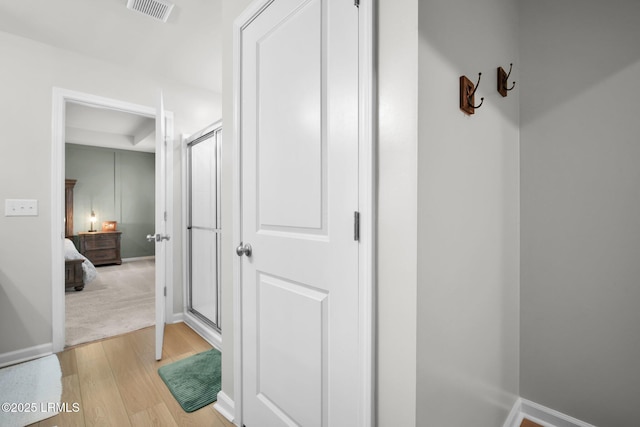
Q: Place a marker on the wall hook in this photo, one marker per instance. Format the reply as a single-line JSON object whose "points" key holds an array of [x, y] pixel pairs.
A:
{"points": [[503, 78], [467, 94], [471, 95]]}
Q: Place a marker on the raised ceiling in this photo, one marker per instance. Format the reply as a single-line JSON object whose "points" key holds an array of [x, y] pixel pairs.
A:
{"points": [[101, 127]]}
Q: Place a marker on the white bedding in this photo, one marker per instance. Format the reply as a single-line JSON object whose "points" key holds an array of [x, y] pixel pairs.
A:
{"points": [[88, 269]]}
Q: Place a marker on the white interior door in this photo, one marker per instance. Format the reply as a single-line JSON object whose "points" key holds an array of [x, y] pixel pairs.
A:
{"points": [[299, 192], [161, 237]]}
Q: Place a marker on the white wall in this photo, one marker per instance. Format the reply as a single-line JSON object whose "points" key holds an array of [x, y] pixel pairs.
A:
{"points": [[29, 72], [581, 208], [468, 216]]}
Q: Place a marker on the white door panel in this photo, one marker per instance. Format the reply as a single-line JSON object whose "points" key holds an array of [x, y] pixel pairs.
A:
{"points": [[299, 185], [297, 390], [289, 121], [161, 229]]}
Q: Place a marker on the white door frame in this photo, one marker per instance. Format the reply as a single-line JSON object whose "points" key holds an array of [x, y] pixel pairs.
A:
{"points": [[367, 207], [60, 98]]}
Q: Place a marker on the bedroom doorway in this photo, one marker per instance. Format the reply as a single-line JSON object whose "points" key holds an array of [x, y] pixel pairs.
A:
{"points": [[162, 269], [110, 158]]}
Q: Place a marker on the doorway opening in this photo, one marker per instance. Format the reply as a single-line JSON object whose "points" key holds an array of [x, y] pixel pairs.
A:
{"points": [[163, 268], [110, 156]]}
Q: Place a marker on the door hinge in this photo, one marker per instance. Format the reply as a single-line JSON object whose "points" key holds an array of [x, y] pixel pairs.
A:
{"points": [[165, 215], [356, 226], [165, 291]]}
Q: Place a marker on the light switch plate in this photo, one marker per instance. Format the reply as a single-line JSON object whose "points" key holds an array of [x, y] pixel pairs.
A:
{"points": [[20, 207]]}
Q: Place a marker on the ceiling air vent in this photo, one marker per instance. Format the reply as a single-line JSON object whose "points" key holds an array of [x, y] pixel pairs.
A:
{"points": [[157, 9]]}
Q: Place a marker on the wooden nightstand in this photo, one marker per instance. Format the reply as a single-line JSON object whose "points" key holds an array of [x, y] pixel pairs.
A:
{"points": [[101, 247]]}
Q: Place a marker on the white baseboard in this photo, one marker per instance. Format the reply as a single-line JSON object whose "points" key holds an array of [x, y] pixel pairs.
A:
{"points": [[542, 415], [514, 419], [212, 337], [13, 357], [139, 258], [225, 406], [175, 318]]}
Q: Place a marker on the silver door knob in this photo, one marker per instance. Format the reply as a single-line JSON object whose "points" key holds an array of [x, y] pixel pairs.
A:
{"points": [[244, 249], [157, 237]]}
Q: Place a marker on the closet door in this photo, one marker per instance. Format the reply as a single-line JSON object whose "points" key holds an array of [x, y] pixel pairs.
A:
{"points": [[204, 227]]}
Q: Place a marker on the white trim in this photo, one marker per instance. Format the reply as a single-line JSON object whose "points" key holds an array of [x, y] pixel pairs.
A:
{"points": [[139, 258], [236, 231], [542, 415], [202, 132], [22, 355], [205, 331], [60, 98], [549, 417], [515, 416], [57, 217], [176, 318], [367, 194], [367, 190], [225, 406]]}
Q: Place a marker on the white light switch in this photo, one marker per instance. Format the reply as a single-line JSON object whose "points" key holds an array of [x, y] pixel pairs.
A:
{"points": [[20, 207]]}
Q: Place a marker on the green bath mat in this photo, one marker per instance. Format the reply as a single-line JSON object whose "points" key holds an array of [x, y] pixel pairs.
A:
{"points": [[194, 381]]}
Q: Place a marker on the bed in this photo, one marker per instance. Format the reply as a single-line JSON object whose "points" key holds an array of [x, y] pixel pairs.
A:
{"points": [[78, 270]]}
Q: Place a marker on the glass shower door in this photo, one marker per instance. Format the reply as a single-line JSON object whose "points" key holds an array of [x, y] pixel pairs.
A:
{"points": [[203, 171]]}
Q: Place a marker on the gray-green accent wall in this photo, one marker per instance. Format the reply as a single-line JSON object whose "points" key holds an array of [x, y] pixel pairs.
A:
{"points": [[118, 185]]}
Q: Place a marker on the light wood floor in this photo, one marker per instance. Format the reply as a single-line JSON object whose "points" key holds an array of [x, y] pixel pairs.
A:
{"points": [[115, 382]]}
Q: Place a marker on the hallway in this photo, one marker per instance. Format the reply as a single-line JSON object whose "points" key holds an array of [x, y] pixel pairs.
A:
{"points": [[115, 382]]}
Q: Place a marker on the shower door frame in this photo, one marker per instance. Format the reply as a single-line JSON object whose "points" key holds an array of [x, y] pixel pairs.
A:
{"points": [[199, 321]]}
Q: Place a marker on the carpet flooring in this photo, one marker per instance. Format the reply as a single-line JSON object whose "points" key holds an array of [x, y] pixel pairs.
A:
{"points": [[121, 299]]}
